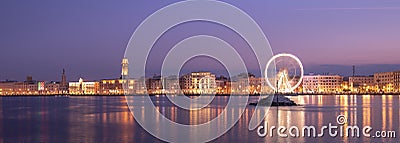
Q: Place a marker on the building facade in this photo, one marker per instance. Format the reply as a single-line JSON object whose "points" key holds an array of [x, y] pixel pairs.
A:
{"points": [[198, 83], [322, 83], [139, 86], [111, 86], [53, 88], [171, 85], [155, 85], [121, 86], [248, 84], [7, 87], [361, 83], [84, 87], [387, 81]]}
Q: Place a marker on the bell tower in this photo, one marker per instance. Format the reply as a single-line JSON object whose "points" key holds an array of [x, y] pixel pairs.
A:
{"points": [[63, 84], [124, 71]]}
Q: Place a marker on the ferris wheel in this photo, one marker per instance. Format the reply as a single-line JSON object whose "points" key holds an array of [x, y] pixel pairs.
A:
{"points": [[288, 73]]}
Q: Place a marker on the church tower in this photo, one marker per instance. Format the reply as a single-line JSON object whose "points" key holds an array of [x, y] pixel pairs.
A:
{"points": [[124, 71], [63, 84]]}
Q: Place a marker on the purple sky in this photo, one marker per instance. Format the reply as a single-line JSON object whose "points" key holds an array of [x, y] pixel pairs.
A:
{"points": [[88, 38]]}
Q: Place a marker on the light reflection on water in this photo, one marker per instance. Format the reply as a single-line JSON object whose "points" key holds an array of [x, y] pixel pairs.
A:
{"points": [[108, 119]]}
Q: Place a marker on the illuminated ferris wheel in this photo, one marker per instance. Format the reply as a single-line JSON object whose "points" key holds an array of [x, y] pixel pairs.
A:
{"points": [[289, 73]]}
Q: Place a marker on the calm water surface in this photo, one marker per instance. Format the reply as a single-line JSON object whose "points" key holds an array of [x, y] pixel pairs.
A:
{"points": [[108, 119]]}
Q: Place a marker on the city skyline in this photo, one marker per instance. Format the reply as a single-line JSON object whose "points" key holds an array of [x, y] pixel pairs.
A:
{"points": [[319, 69], [88, 39], [199, 71], [205, 82]]}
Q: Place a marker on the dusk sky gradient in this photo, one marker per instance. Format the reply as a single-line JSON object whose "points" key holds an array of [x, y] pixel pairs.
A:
{"points": [[88, 38]]}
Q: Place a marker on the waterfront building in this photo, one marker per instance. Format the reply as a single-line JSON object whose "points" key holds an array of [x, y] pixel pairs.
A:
{"points": [[255, 85], [234, 87], [116, 86], [345, 85], [84, 87], [139, 86], [198, 83], [27, 87], [361, 83], [223, 85], [121, 86], [322, 83], [154, 85], [111, 86], [387, 81], [7, 87], [241, 85], [51, 88], [171, 85], [128, 86], [250, 85], [247, 83]]}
